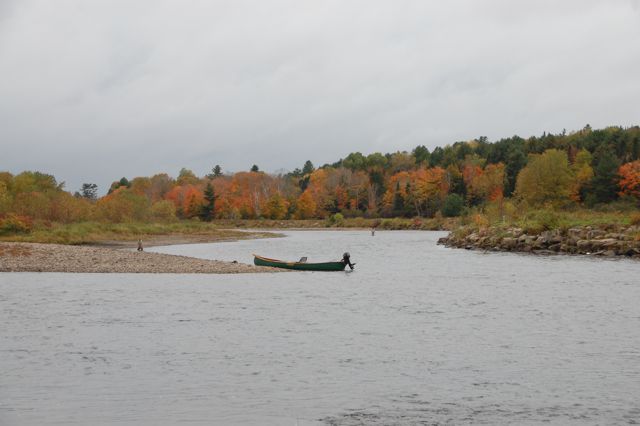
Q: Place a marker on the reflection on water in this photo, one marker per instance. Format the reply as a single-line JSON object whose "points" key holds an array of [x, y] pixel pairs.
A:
{"points": [[418, 334]]}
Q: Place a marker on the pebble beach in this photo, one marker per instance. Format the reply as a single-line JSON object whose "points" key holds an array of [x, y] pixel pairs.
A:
{"points": [[35, 257]]}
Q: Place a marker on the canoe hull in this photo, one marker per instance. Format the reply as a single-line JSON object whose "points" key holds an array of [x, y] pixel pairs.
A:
{"points": [[298, 266]]}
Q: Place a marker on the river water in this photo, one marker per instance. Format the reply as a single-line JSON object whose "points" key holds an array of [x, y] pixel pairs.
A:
{"points": [[417, 334]]}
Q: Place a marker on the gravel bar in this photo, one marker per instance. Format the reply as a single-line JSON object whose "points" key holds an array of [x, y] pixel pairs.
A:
{"points": [[34, 257]]}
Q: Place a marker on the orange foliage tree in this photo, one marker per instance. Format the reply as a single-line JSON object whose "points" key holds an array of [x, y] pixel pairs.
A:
{"points": [[305, 206], [487, 185], [247, 193], [630, 179], [418, 192], [318, 191], [430, 187], [188, 200]]}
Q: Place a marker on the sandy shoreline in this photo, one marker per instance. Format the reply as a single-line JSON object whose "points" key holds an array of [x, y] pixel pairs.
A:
{"points": [[35, 257]]}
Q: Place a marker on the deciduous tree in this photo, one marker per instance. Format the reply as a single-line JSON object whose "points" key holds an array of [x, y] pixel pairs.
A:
{"points": [[630, 179], [546, 178], [306, 206]]}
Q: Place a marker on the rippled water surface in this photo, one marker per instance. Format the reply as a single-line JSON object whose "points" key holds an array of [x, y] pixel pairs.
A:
{"points": [[418, 334]]}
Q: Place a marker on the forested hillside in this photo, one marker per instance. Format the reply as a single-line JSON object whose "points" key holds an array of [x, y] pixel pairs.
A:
{"points": [[587, 168]]}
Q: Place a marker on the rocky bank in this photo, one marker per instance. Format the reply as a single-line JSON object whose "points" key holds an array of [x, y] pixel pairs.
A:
{"points": [[610, 240]]}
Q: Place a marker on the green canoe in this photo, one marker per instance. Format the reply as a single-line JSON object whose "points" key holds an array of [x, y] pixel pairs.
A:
{"points": [[298, 266]]}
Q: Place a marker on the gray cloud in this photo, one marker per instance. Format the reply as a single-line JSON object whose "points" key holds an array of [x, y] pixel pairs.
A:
{"points": [[92, 91]]}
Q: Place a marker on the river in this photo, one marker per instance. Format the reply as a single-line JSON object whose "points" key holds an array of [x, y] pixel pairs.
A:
{"points": [[418, 334]]}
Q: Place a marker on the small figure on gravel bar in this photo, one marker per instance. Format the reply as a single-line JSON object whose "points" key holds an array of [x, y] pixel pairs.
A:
{"points": [[140, 245]]}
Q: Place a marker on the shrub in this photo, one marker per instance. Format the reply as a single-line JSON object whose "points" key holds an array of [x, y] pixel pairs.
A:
{"points": [[453, 205], [14, 224], [547, 219], [480, 221], [635, 219], [163, 211], [335, 220]]}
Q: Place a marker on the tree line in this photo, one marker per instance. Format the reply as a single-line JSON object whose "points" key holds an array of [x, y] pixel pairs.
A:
{"points": [[585, 167]]}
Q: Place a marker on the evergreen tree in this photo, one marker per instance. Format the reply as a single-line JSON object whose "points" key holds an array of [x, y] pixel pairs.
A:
{"points": [[89, 191], [296, 173], [117, 184], [409, 202], [436, 157], [255, 168], [422, 154], [308, 168], [215, 172], [208, 209], [303, 183], [398, 202], [453, 205], [515, 161], [604, 185]]}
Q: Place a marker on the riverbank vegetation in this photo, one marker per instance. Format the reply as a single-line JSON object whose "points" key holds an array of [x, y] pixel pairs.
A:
{"points": [[112, 233], [550, 181]]}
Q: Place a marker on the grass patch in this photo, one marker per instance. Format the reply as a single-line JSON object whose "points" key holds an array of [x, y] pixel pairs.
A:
{"points": [[96, 232], [534, 221]]}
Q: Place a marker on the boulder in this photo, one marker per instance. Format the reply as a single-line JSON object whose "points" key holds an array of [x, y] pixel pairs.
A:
{"points": [[616, 236], [584, 245], [604, 244], [572, 241], [577, 233], [544, 252], [516, 232], [509, 243], [555, 239], [540, 242], [555, 247]]}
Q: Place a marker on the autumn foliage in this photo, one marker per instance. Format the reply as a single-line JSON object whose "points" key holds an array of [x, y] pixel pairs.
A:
{"points": [[630, 179], [588, 166]]}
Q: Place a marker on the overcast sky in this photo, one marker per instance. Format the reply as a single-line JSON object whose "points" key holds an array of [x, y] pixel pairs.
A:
{"points": [[91, 91]]}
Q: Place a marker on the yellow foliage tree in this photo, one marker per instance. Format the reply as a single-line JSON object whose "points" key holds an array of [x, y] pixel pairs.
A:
{"points": [[5, 198], [275, 207], [582, 173], [546, 178], [163, 211], [122, 205]]}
